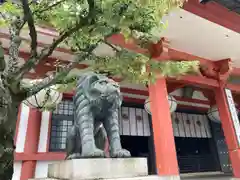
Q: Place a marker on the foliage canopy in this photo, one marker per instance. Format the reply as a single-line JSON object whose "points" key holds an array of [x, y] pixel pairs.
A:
{"points": [[84, 24]]}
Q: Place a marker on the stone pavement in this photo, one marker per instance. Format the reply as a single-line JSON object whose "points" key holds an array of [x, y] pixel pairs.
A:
{"points": [[183, 177], [154, 178], [207, 176]]}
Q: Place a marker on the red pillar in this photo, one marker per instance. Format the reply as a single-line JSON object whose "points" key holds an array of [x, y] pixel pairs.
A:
{"points": [[166, 158], [228, 129], [31, 143]]}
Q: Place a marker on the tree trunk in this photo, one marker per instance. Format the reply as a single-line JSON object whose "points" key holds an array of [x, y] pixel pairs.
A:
{"points": [[8, 118]]}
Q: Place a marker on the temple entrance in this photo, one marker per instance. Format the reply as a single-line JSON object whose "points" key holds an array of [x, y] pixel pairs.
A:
{"points": [[194, 139], [195, 146], [196, 155], [221, 147], [136, 135]]}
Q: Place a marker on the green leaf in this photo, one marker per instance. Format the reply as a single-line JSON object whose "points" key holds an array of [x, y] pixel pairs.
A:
{"points": [[126, 32], [10, 8], [139, 20], [3, 23]]}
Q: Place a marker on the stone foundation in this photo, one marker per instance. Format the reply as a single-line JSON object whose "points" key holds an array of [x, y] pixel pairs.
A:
{"points": [[109, 169], [81, 169], [154, 177]]}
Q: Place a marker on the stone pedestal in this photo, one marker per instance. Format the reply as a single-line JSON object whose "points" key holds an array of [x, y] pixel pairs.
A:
{"points": [[81, 169], [153, 177], [110, 169]]}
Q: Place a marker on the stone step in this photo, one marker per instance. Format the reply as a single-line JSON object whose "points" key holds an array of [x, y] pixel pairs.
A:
{"points": [[152, 177], [81, 169]]}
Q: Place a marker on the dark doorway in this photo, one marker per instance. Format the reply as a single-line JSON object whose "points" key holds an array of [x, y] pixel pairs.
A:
{"points": [[139, 146], [195, 155], [221, 147]]}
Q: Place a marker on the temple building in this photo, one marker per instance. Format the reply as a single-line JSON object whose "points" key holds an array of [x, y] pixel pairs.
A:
{"points": [[184, 125]]}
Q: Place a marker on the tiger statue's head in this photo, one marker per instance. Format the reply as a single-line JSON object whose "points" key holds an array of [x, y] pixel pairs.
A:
{"points": [[100, 89]]}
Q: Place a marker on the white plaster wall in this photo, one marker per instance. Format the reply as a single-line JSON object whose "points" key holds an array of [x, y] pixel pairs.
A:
{"points": [[177, 92], [21, 136], [41, 170], [17, 170], [43, 139], [196, 94], [199, 95]]}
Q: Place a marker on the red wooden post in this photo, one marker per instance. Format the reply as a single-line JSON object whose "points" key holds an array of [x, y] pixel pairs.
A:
{"points": [[166, 158], [228, 129]]}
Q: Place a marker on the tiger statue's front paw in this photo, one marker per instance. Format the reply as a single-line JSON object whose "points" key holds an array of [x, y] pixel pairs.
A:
{"points": [[121, 153], [73, 156], [95, 153]]}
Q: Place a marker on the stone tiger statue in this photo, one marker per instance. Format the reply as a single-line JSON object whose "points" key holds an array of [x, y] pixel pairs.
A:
{"points": [[97, 102]]}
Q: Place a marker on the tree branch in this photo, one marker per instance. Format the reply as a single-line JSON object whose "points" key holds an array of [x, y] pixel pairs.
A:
{"points": [[48, 7], [2, 60], [33, 61], [15, 42], [32, 30], [49, 81], [3, 16], [117, 49], [59, 76], [91, 4]]}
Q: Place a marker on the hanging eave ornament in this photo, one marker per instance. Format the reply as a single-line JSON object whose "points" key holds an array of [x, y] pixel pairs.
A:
{"points": [[213, 114], [171, 100]]}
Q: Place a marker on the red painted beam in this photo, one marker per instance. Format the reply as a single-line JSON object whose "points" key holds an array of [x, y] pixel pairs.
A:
{"points": [[118, 39], [123, 90], [134, 91], [178, 55], [196, 80], [214, 12], [193, 108], [234, 87], [173, 86], [209, 93], [235, 72], [40, 156], [172, 54]]}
